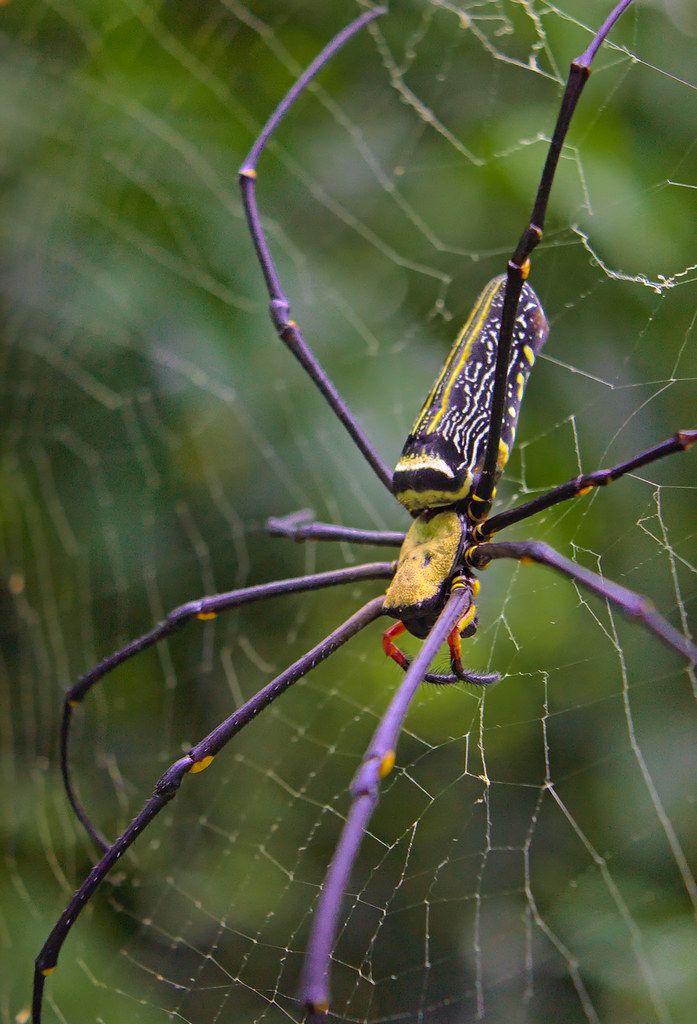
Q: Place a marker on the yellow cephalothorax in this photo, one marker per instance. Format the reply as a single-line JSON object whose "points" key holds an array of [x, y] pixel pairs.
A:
{"points": [[426, 564]]}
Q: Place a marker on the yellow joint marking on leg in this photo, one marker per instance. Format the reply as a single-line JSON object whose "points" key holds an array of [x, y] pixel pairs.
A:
{"points": [[477, 497], [529, 354], [584, 490], [16, 583], [205, 616], [476, 587], [469, 554], [386, 764], [321, 1007], [474, 518], [686, 443], [248, 172], [73, 703], [48, 970], [493, 490], [459, 583], [466, 618], [525, 270], [200, 766], [292, 323], [526, 560]]}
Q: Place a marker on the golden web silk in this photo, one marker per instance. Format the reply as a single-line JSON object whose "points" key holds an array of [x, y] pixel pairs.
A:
{"points": [[444, 452]]}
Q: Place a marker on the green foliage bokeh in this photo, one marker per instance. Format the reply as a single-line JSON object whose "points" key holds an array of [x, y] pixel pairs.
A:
{"points": [[531, 855]]}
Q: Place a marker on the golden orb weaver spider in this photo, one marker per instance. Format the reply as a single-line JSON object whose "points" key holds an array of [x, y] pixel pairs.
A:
{"points": [[445, 478]]}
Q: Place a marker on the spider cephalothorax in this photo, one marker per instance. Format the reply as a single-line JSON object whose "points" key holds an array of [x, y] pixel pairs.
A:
{"points": [[445, 477], [429, 561], [430, 567]]}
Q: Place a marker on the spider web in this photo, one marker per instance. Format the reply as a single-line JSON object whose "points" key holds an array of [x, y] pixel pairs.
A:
{"points": [[533, 856]]}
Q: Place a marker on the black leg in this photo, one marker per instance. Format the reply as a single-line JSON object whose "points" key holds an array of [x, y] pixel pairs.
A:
{"points": [[203, 608], [519, 263], [288, 330], [635, 606], [377, 762], [198, 758], [301, 526], [581, 485]]}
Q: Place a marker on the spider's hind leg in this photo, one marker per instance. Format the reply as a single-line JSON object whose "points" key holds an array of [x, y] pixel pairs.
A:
{"points": [[279, 305], [682, 441]]}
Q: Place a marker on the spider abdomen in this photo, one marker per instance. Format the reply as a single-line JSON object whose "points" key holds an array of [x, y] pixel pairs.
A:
{"points": [[444, 451]]}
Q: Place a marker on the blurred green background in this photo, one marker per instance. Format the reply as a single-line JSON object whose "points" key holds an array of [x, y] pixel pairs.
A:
{"points": [[533, 856]]}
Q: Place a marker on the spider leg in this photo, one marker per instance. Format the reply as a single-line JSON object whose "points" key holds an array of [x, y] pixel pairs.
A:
{"points": [[519, 263], [581, 485], [288, 331], [202, 608], [459, 675], [301, 526], [634, 605], [198, 758], [377, 762]]}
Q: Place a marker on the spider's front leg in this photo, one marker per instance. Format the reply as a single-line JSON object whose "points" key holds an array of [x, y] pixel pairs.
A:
{"points": [[378, 761], [199, 757], [202, 608]]}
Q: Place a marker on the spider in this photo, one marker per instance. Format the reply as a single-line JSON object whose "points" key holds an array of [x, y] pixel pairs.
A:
{"points": [[445, 478]]}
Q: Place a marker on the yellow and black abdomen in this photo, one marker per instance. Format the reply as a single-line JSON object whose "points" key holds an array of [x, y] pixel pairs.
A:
{"points": [[444, 452]]}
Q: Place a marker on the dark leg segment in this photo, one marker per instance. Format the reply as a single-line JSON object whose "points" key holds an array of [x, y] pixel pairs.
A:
{"points": [[301, 526], [203, 608], [198, 758], [378, 761], [581, 485], [519, 263], [287, 329], [635, 606], [459, 674]]}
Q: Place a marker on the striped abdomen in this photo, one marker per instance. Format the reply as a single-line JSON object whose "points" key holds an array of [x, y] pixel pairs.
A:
{"points": [[444, 451]]}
